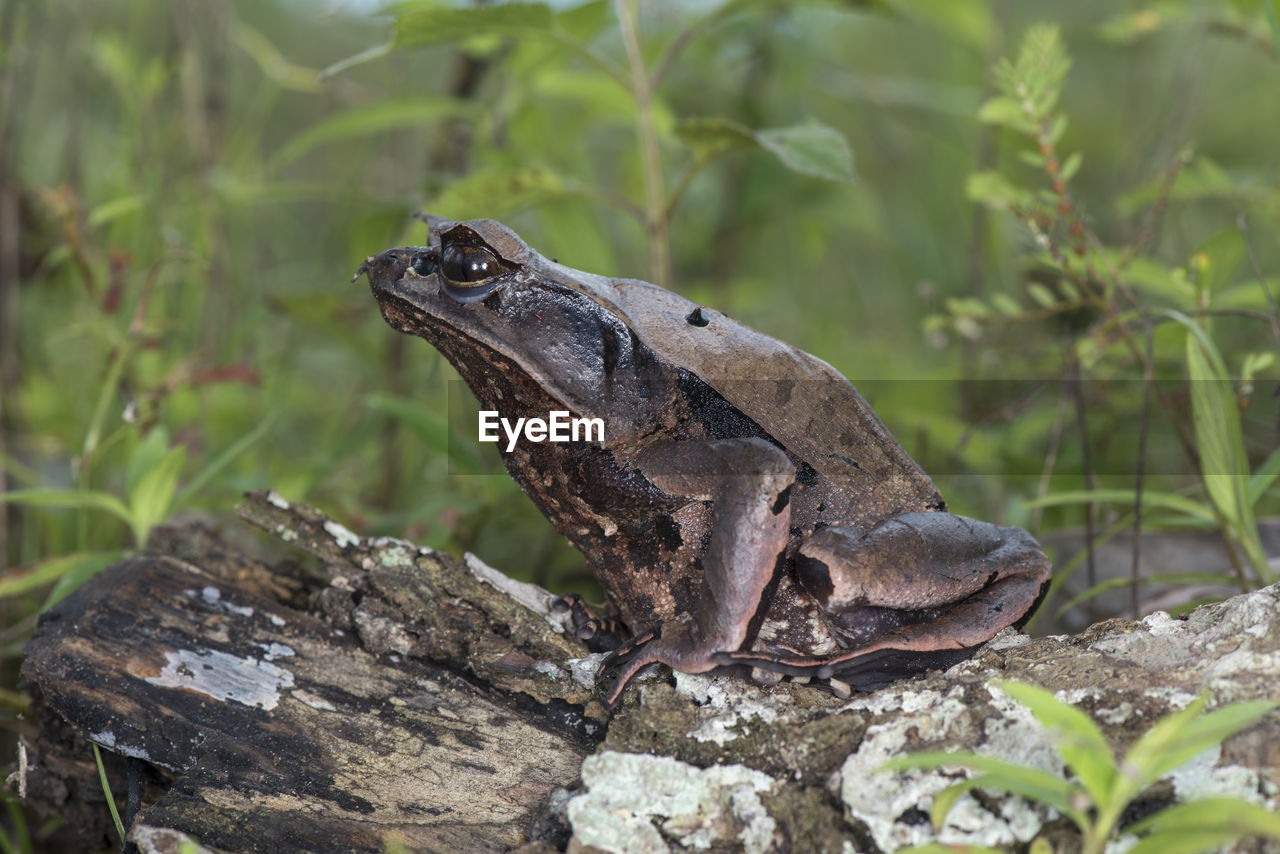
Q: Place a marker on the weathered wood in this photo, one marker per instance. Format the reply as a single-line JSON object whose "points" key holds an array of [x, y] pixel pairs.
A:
{"points": [[289, 731], [382, 692]]}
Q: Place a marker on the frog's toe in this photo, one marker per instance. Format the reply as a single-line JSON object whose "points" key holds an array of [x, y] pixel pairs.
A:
{"points": [[775, 661], [599, 633], [866, 672]]}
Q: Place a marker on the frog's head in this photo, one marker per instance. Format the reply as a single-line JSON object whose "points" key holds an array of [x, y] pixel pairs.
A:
{"points": [[486, 300]]}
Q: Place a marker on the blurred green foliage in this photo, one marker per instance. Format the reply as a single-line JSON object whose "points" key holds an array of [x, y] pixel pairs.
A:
{"points": [[185, 195]]}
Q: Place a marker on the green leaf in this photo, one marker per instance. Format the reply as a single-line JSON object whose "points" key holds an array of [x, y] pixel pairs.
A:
{"points": [[1006, 305], [1273, 24], [940, 848], [1220, 256], [425, 23], [152, 497], [24, 579], [1150, 498], [1006, 112], [1076, 737], [1042, 295], [111, 211], [78, 572], [1198, 734], [811, 149], [1057, 128], [146, 453], [1070, 166], [710, 136], [272, 62], [1131, 26], [369, 54], [371, 120], [1177, 738], [971, 22], [1220, 440], [499, 192], [1189, 840], [1152, 277], [1022, 780], [585, 20], [1254, 364], [1159, 578], [1020, 784], [1226, 819], [1266, 475], [224, 459], [1201, 179], [995, 191], [74, 499]]}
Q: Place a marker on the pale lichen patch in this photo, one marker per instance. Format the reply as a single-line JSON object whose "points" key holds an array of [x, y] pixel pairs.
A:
{"points": [[342, 536], [886, 802], [222, 676], [106, 738], [736, 702], [531, 596], [630, 796]]}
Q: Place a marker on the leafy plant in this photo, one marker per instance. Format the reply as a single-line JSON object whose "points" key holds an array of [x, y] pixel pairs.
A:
{"points": [[1104, 786], [1126, 293], [810, 148]]}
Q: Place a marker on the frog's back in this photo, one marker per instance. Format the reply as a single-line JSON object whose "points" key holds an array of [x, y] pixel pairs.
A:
{"points": [[798, 399]]}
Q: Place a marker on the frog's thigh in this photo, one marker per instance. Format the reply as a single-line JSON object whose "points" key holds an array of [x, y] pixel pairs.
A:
{"points": [[922, 581], [749, 482]]}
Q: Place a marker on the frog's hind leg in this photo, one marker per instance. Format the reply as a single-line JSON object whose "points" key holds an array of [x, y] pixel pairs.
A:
{"points": [[920, 591], [749, 484]]}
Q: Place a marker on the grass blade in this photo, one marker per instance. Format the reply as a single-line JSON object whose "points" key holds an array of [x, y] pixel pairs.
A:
{"points": [[106, 790], [72, 499]]}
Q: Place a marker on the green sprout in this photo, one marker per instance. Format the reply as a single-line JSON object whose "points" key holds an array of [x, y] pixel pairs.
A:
{"points": [[1103, 787]]}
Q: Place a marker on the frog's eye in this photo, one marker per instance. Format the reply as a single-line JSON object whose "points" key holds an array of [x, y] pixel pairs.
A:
{"points": [[465, 264]]}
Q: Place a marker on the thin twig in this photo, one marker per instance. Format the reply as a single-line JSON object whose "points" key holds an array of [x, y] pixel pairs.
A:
{"points": [[1086, 462], [1242, 223], [651, 153], [1148, 377]]}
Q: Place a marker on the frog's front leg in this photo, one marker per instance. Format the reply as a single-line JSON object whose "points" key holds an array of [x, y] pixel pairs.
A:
{"points": [[749, 484], [911, 592]]}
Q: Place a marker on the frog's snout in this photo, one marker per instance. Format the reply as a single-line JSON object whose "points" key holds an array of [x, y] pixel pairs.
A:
{"points": [[386, 269]]}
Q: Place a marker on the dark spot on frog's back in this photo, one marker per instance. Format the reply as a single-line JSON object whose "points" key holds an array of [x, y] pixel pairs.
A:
{"points": [[784, 498], [815, 577], [612, 349], [697, 318], [653, 541], [667, 533], [721, 419]]}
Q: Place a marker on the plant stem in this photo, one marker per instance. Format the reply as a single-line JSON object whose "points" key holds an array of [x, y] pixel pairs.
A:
{"points": [[651, 154]]}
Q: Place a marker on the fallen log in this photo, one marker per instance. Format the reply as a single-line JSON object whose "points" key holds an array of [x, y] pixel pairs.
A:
{"points": [[380, 693]]}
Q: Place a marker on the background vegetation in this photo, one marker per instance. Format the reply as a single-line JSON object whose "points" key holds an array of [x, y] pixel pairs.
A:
{"points": [[954, 206]]}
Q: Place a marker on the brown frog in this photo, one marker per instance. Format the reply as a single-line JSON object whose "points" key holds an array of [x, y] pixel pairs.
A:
{"points": [[746, 508]]}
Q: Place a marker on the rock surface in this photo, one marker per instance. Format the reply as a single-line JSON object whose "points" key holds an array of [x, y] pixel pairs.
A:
{"points": [[387, 693]]}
